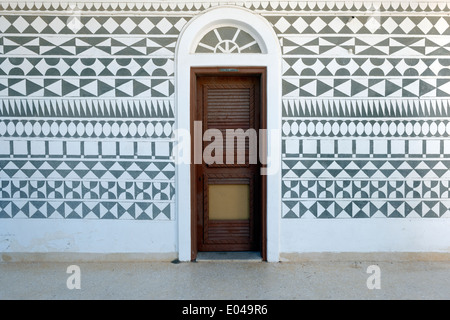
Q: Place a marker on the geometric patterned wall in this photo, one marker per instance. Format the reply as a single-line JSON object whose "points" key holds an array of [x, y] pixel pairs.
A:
{"points": [[87, 108], [87, 115], [366, 105]]}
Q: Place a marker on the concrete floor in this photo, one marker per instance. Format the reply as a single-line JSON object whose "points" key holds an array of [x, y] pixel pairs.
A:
{"points": [[226, 280]]}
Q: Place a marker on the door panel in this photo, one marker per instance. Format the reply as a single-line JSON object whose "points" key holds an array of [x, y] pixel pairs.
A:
{"points": [[228, 201], [229, 104], [228, 197]]}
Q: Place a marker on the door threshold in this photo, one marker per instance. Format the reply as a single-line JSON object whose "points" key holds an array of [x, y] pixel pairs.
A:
{"points": [[253, 256]]}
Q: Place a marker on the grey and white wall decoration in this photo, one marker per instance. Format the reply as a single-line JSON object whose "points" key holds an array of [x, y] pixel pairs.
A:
{"points": [[87, 115], [365, 115]]}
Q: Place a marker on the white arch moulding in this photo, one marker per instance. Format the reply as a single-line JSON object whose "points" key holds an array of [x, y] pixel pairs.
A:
{"points": [[270, 58]]}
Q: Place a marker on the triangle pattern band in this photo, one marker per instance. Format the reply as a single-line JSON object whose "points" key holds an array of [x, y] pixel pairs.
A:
{"points": [[365, 190], [326, 209], [377, 46], [55, 87], [86, 210], [78, 108], [87, 190], [85, 24], [162, 7], [377, 24], [365, 87], [367, 108], [80, 46], [76, 169], [364, 169]]}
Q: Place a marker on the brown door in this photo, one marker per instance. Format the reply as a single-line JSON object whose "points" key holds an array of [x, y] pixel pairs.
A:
{"points": [[228, 185]]}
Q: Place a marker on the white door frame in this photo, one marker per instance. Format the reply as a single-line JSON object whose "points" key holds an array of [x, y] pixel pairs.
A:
{"points": [[185, 58]]}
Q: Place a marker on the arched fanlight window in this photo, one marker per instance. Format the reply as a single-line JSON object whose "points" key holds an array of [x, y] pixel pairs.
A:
{"points": [[228, 40]]}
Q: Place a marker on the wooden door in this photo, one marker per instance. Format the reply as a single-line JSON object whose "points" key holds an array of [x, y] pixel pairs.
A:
{"points": [[228, 189]]}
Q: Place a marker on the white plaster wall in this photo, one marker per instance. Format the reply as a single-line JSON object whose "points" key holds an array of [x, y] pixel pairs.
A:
{"points": [[296, 236], [87, 236], [365, 235]]}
